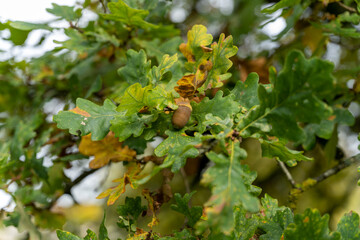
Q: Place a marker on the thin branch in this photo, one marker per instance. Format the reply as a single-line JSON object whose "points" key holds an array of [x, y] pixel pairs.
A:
{"points": [[350, 9], [69, 186], [344, 164], [103, 5], [287, 173]]}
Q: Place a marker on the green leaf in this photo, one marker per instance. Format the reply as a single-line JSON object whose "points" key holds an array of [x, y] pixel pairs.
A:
{"points": [[160, 72], [23, 133], [25, 26], [197, 37], [132, 207], [95, 87], [77, 42], [87, 118], [221, 52], [135, 98], [295, 97], [219, 106], [275, 226], [103, 233], [310, 225], [246, 93], [125, 126], [231, 180], [348, 226], [65, 12], [178, 147], [90, 235], [192, 214], [157, 49], [64, 235], [245, 227], [121, 12], [279, 5], [136, 69], [278, 149]]}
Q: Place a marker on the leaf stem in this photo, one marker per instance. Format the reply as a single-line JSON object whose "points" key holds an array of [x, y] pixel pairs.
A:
{"points": [[230, 167]]}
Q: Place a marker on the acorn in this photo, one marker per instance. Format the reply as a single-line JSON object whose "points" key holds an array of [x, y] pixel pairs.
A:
{"points": [[181, 115]]}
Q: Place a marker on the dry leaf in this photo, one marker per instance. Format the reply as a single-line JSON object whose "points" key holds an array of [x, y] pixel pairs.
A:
{"points": [[105, 150]]}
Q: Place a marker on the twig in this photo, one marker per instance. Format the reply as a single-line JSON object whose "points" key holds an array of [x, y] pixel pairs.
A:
{"points": [[69, 186], [344, 164], [350, 9], [103, 5], [287, 173]]}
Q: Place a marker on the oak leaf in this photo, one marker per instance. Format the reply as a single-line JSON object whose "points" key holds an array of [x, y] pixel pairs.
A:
{"points": [[105, 150]]}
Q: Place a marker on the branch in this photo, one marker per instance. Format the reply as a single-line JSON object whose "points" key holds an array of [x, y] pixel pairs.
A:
{"points": [[287, 173], [344, 164], [103, 5], [69, 186], [350, 9]]}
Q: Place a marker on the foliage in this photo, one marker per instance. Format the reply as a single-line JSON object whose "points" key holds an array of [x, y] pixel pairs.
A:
{"points": [[122, 78]]}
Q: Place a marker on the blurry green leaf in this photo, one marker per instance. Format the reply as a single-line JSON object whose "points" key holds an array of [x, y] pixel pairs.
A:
{"points": [[23, 133], [64, 235], [88, 117], [95, 87], [66, 12], [103, 233], [90, 235], [278, 149], [310, 225], [279, 5], [219, 106], [47, 219], [25, 26], [275, 226], [132, 207], [136, 69], [121, 12], [192, 214], [184, 234], [157, 49], [348, 226], [77, 42], [178, 147]]}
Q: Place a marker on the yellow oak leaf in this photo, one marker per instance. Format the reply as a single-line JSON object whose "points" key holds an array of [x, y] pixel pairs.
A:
{"points": [[105, 150], [131, 175]]}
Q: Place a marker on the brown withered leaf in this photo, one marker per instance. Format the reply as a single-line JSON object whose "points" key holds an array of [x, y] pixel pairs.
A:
{"points": [[189, 83], [152, 206], [258, 65], [105, 150]]}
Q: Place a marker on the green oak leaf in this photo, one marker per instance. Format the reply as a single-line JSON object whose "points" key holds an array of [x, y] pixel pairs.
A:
{"points": [[310, 225], [348, 226], [103, 233], [156, 48], [87, 118], [297, 96], [121, 12], [246, 93], [64, 235], [245, 227], [65, 12], [219, 106], [178, 147], [193, 214], [136, 69], [136, 97], [278, 149], [275, 226], [132, 207], [77, 42], [25, 26], [125, 126], [90, 235], [221, 52], [162, 72]]}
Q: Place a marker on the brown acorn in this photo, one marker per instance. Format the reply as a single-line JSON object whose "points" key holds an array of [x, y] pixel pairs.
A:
{"points": [[181, 115]]}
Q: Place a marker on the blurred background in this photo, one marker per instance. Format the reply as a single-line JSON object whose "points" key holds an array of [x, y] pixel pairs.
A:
{"points": [[263, 41]]}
